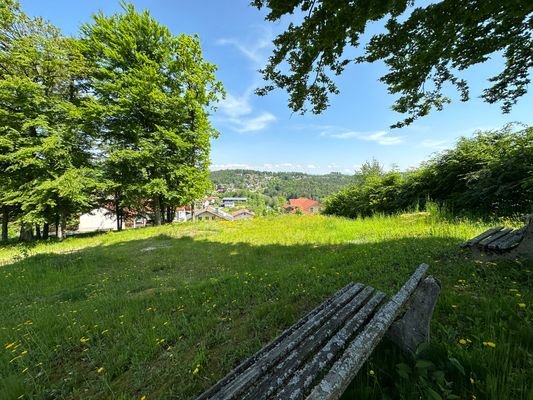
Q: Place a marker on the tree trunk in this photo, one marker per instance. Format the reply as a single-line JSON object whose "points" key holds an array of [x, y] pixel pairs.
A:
{"points": [[157, 211], [171, 214], [46, 230], [38, 231], [5, 220], [61, 227], [59, 231], [26, 232], [118, 215]]}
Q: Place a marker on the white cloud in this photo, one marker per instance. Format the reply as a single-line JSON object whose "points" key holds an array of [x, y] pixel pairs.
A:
{"points": [[256, 51], [237, 112], [254, 124], [434, 144], [216, 167], [311, 166], [383, 138], [236, 106]]}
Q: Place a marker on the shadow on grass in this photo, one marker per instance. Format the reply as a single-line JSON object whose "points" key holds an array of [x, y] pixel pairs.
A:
{"points": [[168, 307]]}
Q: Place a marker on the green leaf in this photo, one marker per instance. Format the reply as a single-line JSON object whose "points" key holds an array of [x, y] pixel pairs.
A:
{"points": [[457, 365]]}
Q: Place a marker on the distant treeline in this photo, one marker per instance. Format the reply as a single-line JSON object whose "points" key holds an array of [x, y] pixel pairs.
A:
{"points": [[287, 185], [490, 174]]}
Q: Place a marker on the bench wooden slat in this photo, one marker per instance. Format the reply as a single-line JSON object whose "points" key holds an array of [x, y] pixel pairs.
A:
{"points": [[320, 355], [482, 236], [509, 241], [271, 381], [306, 377], [485, 242], [345, 368], [250, 370]]}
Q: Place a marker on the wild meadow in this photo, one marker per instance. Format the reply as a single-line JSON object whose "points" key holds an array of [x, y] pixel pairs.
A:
{"points": [[165, 312]]}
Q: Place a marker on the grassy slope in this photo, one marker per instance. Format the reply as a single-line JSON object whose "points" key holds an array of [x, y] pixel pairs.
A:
{"points": [[167, 311]]}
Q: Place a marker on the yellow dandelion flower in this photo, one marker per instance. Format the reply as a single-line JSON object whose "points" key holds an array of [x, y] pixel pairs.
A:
{"points": [[100, 370], [489, 344], [462, 341], [196, 370], [371, 372], [521, 305], [143, 398]]}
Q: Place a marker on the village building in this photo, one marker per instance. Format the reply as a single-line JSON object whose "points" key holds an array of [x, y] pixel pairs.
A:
{"points": [[303, 205], [212, 214], [206, 202], [243, 214], [181, 214], [97, 220], [230, 202]]}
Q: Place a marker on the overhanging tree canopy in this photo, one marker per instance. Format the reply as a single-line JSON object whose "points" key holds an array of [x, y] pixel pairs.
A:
{"points": [[424, 48]]}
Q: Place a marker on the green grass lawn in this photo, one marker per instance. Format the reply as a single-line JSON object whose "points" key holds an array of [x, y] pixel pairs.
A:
{"points": [[165, 312]]}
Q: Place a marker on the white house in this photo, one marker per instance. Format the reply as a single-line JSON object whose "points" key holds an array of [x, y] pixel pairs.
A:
{"points": [[230, 202], [99, 219], [181, 215]]}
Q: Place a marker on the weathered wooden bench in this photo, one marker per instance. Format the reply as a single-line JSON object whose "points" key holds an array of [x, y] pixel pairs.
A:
{"points": [[320, 355], [503, 242]]}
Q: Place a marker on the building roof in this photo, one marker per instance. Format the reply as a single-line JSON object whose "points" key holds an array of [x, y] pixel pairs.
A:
{"points": [[215, 211], [302, 203], [235, 199], [242, 211]]}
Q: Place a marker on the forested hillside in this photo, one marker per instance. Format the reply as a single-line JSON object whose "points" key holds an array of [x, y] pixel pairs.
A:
{"points": [[280, 184]]}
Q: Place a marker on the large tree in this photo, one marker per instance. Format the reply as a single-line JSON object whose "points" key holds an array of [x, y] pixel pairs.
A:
{"points": [[425, 47], [153, 92], [45, 152]]}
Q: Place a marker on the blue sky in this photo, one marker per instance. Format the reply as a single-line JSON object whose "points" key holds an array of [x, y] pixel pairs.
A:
{"points": [[262, 133]]}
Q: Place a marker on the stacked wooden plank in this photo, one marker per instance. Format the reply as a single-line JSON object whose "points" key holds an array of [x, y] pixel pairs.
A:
{"points": [[320, 355], [497, 240]]}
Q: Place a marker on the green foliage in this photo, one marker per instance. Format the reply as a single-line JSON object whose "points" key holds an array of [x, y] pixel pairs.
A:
{"points": [[42, 143], [153, 91], [425, 48], [489, 174], [121, 112]]}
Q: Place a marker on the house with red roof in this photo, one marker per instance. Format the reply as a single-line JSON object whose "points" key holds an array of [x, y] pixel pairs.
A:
{"points": [[303, 205]]}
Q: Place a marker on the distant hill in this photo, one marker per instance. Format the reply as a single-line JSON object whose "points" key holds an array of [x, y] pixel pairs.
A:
{"points": [[275, 184]]}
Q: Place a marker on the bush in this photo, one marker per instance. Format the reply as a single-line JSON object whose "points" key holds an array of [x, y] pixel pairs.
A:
{"points": [[488, 174]]}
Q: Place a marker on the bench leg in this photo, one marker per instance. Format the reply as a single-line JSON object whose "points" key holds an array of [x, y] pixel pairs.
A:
{"points": [[412, 328]]}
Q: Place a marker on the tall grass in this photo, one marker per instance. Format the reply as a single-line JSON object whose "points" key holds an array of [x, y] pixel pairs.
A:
{"points": [[165, 312]]}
